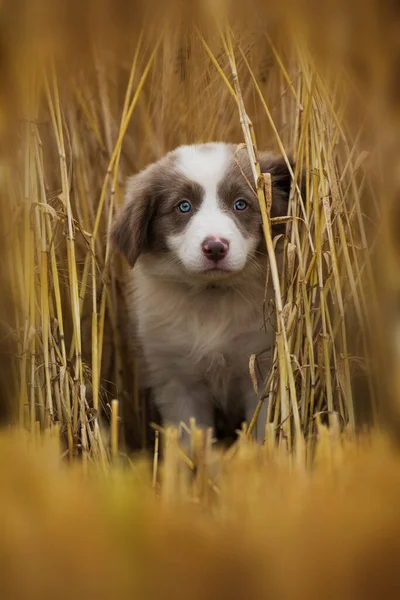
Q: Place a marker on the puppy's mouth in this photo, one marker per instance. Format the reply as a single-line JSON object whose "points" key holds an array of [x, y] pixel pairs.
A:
{"points": [[218, 270]]}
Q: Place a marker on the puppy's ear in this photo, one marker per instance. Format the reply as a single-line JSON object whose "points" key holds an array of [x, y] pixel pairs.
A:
{"points": [[281, 180], [130, 231]]}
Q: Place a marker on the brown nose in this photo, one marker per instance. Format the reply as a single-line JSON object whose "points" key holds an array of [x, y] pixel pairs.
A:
{"points": [[215, 248]]}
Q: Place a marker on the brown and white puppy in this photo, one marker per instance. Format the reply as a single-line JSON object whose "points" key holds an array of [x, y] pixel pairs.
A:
{"points": [[191, 230]]}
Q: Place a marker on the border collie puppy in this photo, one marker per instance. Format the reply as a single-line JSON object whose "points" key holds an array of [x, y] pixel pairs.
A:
{"points": [[191, 229]]}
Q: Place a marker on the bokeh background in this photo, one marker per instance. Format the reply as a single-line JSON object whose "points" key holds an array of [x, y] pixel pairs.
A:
{"points": [[92, 92]]}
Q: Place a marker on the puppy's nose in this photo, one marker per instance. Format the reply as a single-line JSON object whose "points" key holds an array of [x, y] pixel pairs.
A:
{"points": [[215, 248]]}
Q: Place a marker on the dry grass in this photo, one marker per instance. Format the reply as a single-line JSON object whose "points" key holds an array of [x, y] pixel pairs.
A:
{"points": [[274, 530], [314, 513], [86, 128]]}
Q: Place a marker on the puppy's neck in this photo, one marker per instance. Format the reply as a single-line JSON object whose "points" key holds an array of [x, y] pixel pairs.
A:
{"points": [[250, 281]]}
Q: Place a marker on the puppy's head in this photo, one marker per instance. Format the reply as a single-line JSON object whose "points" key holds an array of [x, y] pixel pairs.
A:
{"points": [[195, 213]]}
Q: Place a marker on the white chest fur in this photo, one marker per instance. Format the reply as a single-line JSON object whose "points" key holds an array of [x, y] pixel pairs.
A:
{"points": [[203, 334]]}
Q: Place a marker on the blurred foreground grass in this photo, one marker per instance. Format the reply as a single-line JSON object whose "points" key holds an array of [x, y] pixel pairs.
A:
{"points": [[273, 530]]}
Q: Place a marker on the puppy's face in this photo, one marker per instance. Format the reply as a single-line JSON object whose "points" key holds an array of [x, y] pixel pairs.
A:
{"points": [[195, 212]]}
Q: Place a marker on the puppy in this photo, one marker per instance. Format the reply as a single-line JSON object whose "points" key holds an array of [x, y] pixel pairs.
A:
{"points": [[191, 228]]}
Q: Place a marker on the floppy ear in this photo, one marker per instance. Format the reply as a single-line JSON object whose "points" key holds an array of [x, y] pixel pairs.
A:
{"points": [[130, 231], [281, 180]]}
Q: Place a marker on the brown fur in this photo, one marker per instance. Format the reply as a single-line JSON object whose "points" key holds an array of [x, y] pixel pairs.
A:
{"points": [[198, 329]]}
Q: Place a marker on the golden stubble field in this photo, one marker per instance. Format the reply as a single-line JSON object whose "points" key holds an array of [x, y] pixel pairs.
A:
{"points": [[92, 93]]}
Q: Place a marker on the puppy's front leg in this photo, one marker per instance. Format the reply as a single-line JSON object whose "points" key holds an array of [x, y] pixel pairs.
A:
{"points": [[179, 403]]}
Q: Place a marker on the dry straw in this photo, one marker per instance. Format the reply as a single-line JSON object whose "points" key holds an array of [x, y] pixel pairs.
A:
{"points": [[104, 89], [272, 529], [87, 127]]}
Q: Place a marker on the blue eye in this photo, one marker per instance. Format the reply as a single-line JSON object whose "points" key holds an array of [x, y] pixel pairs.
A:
{"points": [[184, 207], [240, 205]]}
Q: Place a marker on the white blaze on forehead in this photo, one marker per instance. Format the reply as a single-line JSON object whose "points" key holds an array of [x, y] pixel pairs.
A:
{"points": [[205, 164]]}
